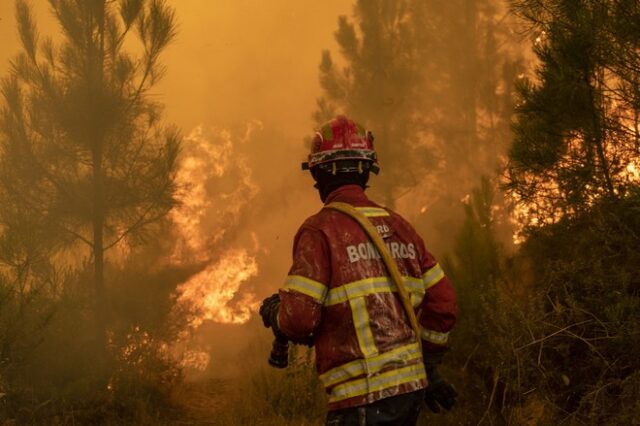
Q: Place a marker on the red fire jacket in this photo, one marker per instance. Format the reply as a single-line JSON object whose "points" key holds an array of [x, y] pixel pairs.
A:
{"points": [[338, 289]]}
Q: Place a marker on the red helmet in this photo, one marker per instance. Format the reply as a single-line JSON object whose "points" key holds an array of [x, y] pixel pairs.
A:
{"points": [[342, 145]]}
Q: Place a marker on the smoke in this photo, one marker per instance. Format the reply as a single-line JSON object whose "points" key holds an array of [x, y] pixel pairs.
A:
{"points": [[232, 213], [241, 81]]}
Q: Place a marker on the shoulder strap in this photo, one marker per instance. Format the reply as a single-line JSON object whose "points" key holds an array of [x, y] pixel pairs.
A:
{"points": [[389, 262]]}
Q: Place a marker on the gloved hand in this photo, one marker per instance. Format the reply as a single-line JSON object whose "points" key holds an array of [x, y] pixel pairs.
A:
{"points": [[439, 392], [269, 311]]}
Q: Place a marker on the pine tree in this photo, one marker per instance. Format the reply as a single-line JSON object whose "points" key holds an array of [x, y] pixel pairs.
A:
{"points": [[573, 174], [475, 68], [576, 132], [433, 81], [378, 86], [82, 147], [471, 65]]}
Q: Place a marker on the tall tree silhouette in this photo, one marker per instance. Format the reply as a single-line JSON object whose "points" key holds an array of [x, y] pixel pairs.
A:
{"points": [[433, 80], [471, 65], [82, 146], [378, 85]]}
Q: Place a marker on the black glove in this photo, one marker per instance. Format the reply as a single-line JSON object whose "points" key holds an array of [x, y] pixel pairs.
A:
{"points": [[439, 392], [269, 311]]}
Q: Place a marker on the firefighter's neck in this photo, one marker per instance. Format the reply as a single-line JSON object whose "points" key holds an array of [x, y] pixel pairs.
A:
{"points": [[332, 193]]}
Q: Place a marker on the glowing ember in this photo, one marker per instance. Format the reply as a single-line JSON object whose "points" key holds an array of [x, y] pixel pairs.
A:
{"points": [[540, 210], [197, 360], [210, 292], [633, 172]]}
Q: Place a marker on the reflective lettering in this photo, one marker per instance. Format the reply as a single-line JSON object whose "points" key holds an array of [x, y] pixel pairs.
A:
{"points": [[362, 251], [382, 229], [412, 251], [395, 250], [368, 251], [372, 252], [353, 254]]}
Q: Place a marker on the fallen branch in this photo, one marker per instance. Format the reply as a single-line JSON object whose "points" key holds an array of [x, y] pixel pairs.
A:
{"points": [[491, 397], [555, 333]]}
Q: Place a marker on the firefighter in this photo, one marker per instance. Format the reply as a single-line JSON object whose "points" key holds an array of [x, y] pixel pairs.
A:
{"points": [[338, 292]]}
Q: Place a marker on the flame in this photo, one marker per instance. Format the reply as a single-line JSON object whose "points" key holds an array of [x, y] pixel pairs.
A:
{"points": [[541, 209], [633, 172], [210, 292], [216, 184], [216, 187]]}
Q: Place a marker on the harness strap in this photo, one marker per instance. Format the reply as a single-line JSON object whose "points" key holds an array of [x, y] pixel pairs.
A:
{"points": [[389, 262]]}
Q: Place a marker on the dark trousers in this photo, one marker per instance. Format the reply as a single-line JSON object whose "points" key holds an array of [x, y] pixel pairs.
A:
{"points": [[401, 410]]}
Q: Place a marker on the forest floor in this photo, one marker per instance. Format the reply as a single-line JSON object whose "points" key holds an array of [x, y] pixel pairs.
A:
{"points": [[224, 402], [202, 402], [213, 402]]}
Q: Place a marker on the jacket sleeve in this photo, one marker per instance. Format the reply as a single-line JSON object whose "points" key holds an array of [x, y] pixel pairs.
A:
{"points": [[438, 311], [306, 286]]}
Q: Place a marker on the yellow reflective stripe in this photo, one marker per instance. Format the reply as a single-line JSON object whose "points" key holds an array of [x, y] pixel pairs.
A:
{"points": [[358, 289], [307, 286], [374, 285], [434, 336], [415, 284], [362, 327], [373, 211], [378, 383], [359, 367], [432, 276], [416, 288]]}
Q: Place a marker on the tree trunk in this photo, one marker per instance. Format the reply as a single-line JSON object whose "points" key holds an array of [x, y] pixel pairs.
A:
{"points": [[99, 214], [98, 249], [597, 136], [470, 66]]}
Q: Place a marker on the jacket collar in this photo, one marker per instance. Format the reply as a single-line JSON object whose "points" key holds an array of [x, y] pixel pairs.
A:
{"points": [[352, 194]]}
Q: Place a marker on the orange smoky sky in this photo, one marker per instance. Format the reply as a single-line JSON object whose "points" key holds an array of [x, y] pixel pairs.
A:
{"points": [[232, 61], [236, 62], [242, 77]]}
